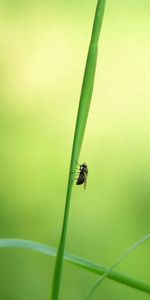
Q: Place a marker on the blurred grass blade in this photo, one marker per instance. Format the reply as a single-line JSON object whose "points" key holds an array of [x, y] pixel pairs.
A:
{"points": [[28, 244], [84, 104], [126, 253], [77, 261]]}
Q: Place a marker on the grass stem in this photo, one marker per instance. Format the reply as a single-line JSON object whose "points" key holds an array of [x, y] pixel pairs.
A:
{"points": [[84, 104]]}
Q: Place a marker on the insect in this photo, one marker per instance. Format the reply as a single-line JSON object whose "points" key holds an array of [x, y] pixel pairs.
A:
{"points": [[83, 173]]}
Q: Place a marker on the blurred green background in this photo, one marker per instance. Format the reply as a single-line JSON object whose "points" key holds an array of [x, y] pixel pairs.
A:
{"points": [[43, 49]]}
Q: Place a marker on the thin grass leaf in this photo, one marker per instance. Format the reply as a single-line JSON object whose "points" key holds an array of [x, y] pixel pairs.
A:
{"points": [[126, 253], [84, 104], [77, 261]]}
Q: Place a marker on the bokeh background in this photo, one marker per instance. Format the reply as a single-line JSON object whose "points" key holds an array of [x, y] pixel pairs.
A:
{"points": [[43, 48]]}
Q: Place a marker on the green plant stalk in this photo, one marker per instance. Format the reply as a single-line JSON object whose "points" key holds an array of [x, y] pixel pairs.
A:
{"points": [[84, 104], [126, 253], [77, 261]]}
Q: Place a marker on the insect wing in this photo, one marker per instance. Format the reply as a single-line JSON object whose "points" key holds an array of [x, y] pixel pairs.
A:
{"points": [[85, 180]]}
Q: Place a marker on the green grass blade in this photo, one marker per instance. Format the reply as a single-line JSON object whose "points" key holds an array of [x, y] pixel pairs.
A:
{"points": [[77, 261], [28, 244], [84, 104], [126, 253]]}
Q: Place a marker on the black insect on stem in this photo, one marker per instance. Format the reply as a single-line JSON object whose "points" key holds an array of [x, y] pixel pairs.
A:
{"points": [[83, 173]]}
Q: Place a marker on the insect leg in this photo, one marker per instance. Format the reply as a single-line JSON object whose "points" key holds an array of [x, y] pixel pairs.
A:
{"points": [[74, 179], [77, 163]]}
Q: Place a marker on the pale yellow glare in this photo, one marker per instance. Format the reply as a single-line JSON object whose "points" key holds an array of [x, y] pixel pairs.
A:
{"points": [[38, 60]]}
